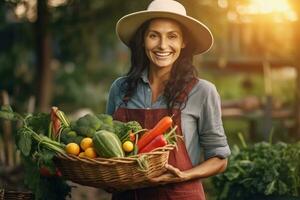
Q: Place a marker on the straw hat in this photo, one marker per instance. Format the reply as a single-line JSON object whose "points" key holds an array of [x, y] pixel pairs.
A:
{"points": [[200, 35]]}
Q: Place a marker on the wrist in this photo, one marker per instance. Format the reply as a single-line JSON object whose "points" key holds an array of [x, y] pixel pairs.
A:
{"points": [[188, 175]]}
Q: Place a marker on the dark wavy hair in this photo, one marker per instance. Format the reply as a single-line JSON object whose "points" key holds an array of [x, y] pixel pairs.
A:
{"points": [[182, 71]]}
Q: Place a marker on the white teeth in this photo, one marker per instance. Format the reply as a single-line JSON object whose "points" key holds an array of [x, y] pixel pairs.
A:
{"points": [[162, 53]]}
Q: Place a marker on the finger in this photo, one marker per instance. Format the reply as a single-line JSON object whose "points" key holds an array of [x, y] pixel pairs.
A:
{"points": [[175, 171], [162, 178], [164, 181]]}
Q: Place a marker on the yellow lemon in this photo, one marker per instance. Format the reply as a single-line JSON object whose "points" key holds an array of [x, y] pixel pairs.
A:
{"points": [[127, 146], [86, 143], [73, 148], [90, 152], [81, 155]]}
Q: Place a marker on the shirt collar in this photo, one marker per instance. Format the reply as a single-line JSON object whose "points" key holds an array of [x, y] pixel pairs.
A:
{"points": [[144, 76]]}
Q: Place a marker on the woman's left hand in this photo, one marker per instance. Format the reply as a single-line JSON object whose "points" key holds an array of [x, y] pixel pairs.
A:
{"points": [[172, 175], [210, 167]]}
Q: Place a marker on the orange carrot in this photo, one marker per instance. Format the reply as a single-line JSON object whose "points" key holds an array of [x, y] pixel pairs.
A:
{"points": [[161, 127]]}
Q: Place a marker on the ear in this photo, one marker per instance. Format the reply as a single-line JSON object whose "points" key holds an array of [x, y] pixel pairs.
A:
{"points": [[183, 45]]}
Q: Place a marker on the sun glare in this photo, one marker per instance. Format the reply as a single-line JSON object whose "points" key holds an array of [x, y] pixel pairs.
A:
{"points": [[280, 7]]}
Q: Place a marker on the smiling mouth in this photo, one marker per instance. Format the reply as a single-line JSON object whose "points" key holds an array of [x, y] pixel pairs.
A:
{"points": [[162, 54]]}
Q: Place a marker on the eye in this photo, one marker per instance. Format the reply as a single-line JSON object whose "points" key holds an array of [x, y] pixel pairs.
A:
{"points": [[173, 36], [152, 35]]}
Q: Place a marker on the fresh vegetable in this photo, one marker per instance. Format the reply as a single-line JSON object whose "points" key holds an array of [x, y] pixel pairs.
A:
{"points": [[129, 130], [70, 137], [37, 150], [71, 134], [262, 169], [86, 143], [90, 153], [118, 127], [55, 122], [107, 144], [66, 134], [131, 136], [107, 127], [133, 126], [73, 148], [105, 119], [160, 128], [160, 141], [45, 171], [58, 123], [128, 146], [87, 125], [81, 154]]}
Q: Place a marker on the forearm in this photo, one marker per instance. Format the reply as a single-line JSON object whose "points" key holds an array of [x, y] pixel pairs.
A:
{"points": [[208, 168]]}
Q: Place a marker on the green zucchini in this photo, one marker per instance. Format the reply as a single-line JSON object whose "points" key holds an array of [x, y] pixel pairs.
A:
{"points": [[107, 144]]}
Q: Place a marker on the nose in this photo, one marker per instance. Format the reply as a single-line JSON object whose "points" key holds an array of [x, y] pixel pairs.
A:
{"points": [[163, 43]]}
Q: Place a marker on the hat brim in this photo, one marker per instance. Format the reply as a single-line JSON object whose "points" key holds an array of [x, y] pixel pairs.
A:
{"points": [[201, 35]]}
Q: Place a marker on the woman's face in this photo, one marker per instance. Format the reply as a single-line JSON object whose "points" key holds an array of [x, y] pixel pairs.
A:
{"points": [[163, 42]]}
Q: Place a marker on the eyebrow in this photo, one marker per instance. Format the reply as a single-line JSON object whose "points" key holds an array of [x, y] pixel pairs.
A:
{"points": [[160, 32]]}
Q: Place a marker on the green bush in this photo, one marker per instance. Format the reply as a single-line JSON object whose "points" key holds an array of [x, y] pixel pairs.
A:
{"points": [[261, 171]]}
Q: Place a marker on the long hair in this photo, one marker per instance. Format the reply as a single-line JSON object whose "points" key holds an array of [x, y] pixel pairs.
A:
{"points": [[182, 71]]}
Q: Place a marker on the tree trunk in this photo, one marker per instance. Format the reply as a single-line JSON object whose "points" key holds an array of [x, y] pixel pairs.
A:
{"points": [[44, 54]]}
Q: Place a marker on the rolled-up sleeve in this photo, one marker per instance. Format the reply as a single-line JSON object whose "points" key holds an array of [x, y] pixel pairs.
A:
{"points": [[212, 136]]}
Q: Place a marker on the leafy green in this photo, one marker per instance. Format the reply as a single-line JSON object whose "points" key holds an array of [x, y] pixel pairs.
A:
{"points": [[87, 125], [125, 129], [44, 188], [38, 150], [7, 113], [261, 169], [25, 142], [105, 119]]}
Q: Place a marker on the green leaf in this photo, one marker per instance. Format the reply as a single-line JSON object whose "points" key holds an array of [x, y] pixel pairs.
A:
{"points": [[25, 142], [6, 108], [270, 188], [7, 115]]}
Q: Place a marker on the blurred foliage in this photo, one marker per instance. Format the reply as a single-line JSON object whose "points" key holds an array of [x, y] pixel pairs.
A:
{"points": [[261, 171], [85, 52]]}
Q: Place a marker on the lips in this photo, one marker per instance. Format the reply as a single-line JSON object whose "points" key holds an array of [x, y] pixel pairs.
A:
{"points": [[162, 54]]}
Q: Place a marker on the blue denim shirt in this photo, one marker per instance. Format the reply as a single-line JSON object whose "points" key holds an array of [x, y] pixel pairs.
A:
{"points": [[200, 119]]}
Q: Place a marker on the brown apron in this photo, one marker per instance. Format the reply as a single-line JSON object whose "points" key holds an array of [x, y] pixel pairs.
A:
{"points": [[189, 190]]}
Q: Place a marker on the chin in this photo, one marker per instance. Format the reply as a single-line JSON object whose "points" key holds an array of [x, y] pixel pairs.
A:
{"points": [[163, 65]]}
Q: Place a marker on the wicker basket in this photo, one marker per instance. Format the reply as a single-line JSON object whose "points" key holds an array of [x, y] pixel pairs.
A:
{"points": [[114, 173], [15, 195]]}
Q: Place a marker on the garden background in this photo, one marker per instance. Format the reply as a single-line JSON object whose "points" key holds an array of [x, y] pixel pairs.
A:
{"points": [[66, 53]]}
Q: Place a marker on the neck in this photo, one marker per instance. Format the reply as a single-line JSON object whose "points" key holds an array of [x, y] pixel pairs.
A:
{"points": [[157, 79], [158, 76]]}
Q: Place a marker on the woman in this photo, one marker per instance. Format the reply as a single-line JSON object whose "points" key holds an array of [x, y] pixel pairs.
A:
{"points": [[162, 81]]}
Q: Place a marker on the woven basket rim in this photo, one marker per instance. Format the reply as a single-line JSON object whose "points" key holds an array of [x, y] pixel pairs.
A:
{"points": [[128, 159]]}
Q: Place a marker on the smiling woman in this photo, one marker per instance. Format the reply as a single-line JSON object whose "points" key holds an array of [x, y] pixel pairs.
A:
{"points": [[162, 81], [163, 43]]}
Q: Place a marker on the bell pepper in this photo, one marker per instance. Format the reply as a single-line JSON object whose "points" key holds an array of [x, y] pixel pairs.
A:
{"points": [[160, 128], [160, 141]]}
